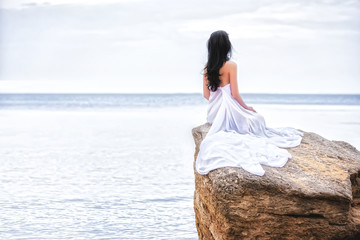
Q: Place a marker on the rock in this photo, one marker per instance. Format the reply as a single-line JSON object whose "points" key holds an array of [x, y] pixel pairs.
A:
{"points": [[316, 195]]}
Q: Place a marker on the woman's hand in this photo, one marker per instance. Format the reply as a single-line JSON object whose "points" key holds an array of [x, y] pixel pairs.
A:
{"points": [[251, 109]]}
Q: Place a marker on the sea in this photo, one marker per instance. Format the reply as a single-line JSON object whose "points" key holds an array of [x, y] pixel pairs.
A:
{"points": [[120, 166]]}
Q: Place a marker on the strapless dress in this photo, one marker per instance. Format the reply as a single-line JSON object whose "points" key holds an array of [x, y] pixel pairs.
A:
{"points": [[240, 138]]}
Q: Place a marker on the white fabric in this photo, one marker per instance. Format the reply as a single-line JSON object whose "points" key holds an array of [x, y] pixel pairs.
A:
{"points": [[240, 138]]}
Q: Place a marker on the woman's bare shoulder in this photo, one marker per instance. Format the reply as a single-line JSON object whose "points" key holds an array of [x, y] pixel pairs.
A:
{"points": [[230, 64]]}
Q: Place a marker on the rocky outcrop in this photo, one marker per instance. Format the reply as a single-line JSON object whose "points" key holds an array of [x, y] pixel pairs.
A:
{"points": [[316, 195]]}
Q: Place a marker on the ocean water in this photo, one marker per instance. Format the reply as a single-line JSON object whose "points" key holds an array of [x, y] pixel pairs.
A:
{"points": [[116, 101], [113, 166]]}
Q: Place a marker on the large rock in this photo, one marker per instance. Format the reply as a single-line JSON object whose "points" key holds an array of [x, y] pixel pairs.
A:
{"points": [[316, 195]]}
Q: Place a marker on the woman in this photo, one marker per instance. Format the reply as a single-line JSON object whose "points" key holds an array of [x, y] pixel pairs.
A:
{"points": [[238, 136]]}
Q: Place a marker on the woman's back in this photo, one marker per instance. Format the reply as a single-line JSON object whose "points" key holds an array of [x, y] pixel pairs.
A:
{"points": [[225, 73], [228, 75]]}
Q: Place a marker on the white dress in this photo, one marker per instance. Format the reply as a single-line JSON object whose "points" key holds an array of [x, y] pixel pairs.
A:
{"points": [[239, 138]]}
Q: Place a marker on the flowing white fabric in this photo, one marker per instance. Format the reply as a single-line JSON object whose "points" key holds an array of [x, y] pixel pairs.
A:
{"points": [[239, 138]]}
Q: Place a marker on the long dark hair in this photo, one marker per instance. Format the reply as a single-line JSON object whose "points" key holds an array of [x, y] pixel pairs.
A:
{"points": [[219, 51]]}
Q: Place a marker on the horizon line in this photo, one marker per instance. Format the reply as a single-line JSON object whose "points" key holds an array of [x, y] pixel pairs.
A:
{"points": [[171, 93]]}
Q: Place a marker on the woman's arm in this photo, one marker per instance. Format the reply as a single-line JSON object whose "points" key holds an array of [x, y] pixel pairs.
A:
{"points": [[234, 87], [206, 91]]}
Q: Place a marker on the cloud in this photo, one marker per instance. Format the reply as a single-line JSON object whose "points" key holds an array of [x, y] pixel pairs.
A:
{"points": [[158, 43]]}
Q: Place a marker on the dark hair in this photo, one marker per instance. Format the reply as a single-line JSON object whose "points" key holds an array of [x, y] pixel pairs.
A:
{"points": [[219, 51]]}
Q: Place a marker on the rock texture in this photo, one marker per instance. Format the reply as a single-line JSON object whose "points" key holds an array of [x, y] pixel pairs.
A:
{"points": [[316, 195]]}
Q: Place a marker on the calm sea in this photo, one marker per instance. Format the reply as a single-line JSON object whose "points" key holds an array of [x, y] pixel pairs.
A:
{"points": [[108, 101], [120, 166]]}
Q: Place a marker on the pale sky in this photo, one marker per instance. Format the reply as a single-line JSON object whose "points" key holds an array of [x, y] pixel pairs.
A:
{"points": [[281, 46]]}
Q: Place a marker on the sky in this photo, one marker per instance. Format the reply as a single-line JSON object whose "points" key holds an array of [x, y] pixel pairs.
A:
{"points": [[159, 46]]}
